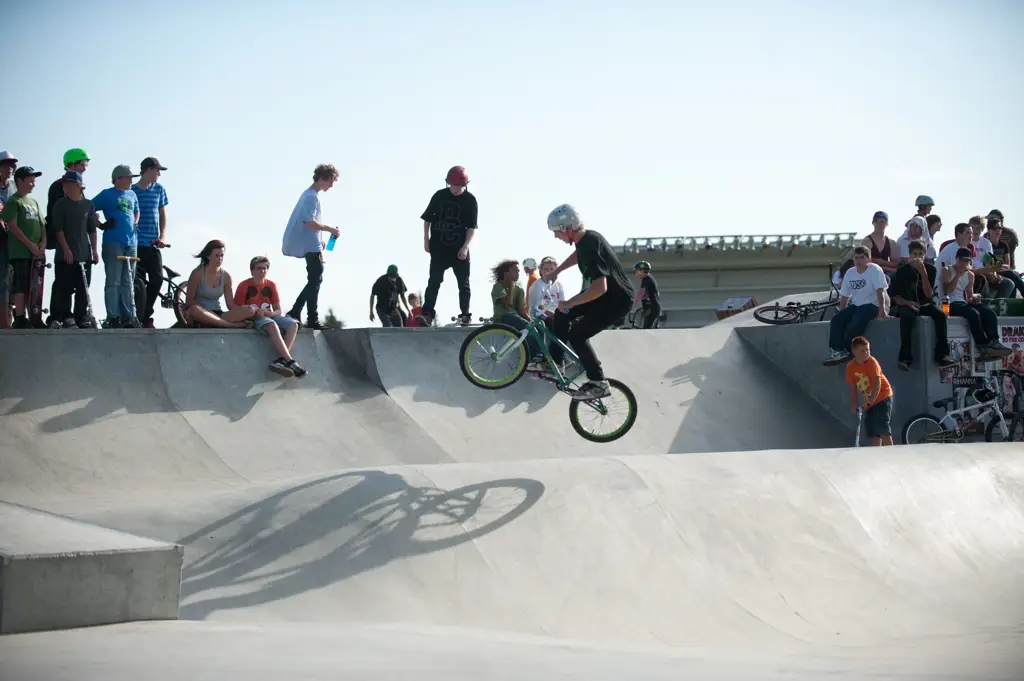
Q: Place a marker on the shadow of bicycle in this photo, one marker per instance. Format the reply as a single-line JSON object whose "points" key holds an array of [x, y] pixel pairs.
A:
{"points": [[331, 529]]}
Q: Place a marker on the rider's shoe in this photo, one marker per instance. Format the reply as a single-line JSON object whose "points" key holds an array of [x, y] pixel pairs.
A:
{"points": [[945, 361], [465, 319], [997, 349], [539, 364], [592, 390]]}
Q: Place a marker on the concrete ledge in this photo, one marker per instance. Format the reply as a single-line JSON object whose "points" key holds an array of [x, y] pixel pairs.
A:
{"points": [[58, 573]]}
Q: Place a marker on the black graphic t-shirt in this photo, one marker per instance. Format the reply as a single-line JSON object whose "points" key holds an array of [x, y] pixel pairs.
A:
{"points": [[387, 291], [450, 218], [596, 259], [1008, 242], [651, 297]]}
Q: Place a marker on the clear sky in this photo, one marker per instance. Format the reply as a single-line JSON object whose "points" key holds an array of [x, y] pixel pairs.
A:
{"points": [[653, 118]]}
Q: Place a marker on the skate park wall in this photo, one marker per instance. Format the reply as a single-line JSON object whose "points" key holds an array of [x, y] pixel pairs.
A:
{"points": [[799, 349]]}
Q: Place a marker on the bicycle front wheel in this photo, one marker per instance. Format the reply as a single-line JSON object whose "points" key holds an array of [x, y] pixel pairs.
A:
{"points": [[777, 314], [1014, 429], [179, 303], [488, 360], [921, 429], [607, 419]]}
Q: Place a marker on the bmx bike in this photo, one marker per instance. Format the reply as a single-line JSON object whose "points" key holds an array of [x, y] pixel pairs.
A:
{"points": [[504, 349], [635, 320], [958, 419], [795, 312], [171, 298]]}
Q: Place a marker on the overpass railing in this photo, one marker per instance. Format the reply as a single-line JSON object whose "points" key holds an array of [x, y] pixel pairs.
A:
{"points": [[741, 242]]}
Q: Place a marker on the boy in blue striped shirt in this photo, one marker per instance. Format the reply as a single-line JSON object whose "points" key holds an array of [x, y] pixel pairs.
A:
{"points": [[152, 232]]}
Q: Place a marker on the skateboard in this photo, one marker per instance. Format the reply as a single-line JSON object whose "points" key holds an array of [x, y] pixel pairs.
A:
{"points": [[36, 290]]}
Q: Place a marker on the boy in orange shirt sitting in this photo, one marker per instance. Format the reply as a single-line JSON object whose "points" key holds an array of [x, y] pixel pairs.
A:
{"points": [[260, 291], [869, 384]]}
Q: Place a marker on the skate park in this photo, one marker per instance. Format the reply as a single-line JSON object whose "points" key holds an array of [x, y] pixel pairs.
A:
{"points": [[383, 517]]}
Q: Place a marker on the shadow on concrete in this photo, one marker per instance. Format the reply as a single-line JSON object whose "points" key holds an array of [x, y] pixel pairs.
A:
{"points": [[744, 402], [333, 528]]}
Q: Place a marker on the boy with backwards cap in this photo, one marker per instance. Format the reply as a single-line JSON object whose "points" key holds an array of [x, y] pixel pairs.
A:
{"points": [[74, 224], [152, 232]]}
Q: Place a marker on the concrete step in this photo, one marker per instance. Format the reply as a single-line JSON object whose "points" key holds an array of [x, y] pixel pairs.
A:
{"points": [[59, 573]]}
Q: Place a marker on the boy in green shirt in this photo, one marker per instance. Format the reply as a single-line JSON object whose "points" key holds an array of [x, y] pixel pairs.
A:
{"points": [[26, 239]]}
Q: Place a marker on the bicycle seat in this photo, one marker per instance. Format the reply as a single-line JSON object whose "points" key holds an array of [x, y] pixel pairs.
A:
{"points": [[171, 274], [941, 404]]}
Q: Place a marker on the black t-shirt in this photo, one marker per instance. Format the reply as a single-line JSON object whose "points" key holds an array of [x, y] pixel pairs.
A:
{"points": [[387, 291], [650, 287], [77, 220], [906, 282], [55, 194], [450, 218], [596, 259], [1007, 245]]}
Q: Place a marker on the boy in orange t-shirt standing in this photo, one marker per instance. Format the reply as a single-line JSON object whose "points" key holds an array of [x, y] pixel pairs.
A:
{"points": [[870, 387], [258, 290]]}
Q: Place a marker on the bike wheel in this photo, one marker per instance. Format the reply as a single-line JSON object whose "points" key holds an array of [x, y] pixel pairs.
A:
{"points": [[1014, 430], [492, 339], [179, 302], [777, 314], [921, 429], [602, 409]]}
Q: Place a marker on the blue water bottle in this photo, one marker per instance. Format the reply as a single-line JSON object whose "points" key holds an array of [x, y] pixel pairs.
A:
{"points": [[331, 242]]}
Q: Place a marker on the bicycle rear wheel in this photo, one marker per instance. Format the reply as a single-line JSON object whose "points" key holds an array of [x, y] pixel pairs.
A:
{"points": [[618, 412], [923, 428], [178, 291], [777, 314], [493, 366]]}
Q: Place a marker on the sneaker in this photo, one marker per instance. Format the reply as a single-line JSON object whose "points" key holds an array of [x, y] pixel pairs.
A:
{"points": [[280, 366], [20, 323], [69, 323], [465, 319], [425, 318], [149, 324], [315, 325], [296, 369], [836, 357], [903, 365], [592, 390], [945, 361]]}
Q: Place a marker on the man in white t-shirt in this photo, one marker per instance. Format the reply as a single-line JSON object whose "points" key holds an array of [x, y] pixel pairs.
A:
{"points": [[861, 299]]}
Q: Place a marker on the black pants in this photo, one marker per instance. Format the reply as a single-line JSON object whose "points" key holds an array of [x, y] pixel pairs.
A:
{"points": [[309, 296], [392, 317], [581, 323], [67, 282], [440, 262], [152, 263], [982, 320], [908, 320], [651, 315]]}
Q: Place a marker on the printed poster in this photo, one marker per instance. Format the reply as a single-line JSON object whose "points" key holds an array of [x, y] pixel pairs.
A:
{"points": [[1012, 336]]}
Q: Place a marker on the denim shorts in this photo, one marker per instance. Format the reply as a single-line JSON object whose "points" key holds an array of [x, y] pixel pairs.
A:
{"points": [[284, 322], [876, 418]]}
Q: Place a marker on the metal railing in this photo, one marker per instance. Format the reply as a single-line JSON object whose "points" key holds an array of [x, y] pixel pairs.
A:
{"points": [[741, 242]]}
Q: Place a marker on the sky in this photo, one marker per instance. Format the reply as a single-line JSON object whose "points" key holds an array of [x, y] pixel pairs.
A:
{"points": [[655, 119]]}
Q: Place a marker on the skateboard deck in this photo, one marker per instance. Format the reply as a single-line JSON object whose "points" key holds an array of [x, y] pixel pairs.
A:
{"points": [[36, 292]]}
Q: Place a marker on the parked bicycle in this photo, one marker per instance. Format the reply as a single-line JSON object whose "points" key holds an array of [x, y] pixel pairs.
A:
{"points": [[796, 312], [991, 402], [171, 298]]}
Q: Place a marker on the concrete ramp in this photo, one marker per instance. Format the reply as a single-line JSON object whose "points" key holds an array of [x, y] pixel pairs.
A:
{"points": [[835, 552], [698, 391]]}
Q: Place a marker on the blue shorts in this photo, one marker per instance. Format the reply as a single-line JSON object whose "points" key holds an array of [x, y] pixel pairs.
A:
{"points": [[876, 418], [284, 322]]}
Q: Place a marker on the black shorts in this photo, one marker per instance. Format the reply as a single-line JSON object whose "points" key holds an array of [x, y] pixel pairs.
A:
{"points": [[21, 275], [876, 419]]}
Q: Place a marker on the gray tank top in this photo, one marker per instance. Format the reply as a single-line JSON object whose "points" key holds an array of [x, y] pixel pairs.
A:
{"points": [[208, 297]]}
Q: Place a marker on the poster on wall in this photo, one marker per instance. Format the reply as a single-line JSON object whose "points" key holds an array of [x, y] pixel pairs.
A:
{"points": [[1012, 336], [960, 351]]}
